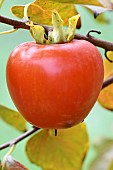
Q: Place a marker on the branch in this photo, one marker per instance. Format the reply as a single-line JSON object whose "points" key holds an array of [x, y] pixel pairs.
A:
{"points": [[108, 46], [20, 138], [107, 82], [18, 24], [14, 23]]}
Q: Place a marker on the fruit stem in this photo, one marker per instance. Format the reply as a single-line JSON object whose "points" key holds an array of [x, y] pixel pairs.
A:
{"points": [[56, 132]]}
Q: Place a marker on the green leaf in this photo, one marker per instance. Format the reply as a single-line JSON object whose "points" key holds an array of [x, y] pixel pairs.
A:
{"points": [[12, 164], [66, 151], [13, 118], [104, 158], [41, 11]]}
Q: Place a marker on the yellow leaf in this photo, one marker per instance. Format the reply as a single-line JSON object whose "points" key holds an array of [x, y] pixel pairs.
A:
{"points": [[13, 118], [111, 166], [66, 151], [41, 11], [1, 3], [106, 95], [83, 2], [98, 8]]}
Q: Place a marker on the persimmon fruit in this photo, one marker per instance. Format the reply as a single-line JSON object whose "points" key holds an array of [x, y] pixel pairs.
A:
{"points": [[55, 86]]}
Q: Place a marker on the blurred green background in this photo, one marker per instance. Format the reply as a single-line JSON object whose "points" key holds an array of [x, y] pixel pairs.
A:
{"points": [[99, 122]]}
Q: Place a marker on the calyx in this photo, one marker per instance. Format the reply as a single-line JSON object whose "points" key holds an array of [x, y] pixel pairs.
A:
{"points": [[58, 35]]}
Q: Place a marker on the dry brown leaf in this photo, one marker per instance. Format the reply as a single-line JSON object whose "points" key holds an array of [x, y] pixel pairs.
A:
{"points": [[12, 164]]}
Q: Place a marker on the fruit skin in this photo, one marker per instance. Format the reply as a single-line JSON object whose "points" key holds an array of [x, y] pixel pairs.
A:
{"points": [[55, 86]]}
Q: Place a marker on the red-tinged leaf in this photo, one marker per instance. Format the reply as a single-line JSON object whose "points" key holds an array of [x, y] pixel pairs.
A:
{"points": [[12, 164], [13, 118], [41, 11], [106, 95], [66, 151]]}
